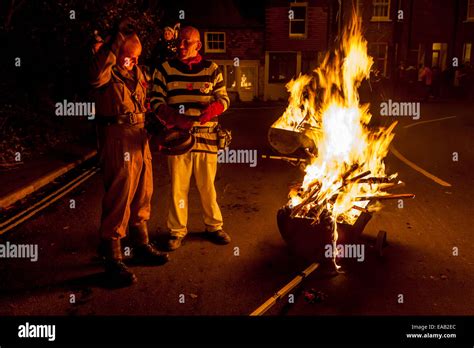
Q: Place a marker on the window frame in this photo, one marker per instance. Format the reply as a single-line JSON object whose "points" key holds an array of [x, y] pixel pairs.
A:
{"points": [[297, 35], [464, 51], [469, 4], [381, 18], [270, 53], [385, 59], [206, 42]]}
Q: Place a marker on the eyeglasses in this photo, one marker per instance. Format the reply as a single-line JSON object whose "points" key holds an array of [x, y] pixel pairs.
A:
{"points": [[187, 43]]}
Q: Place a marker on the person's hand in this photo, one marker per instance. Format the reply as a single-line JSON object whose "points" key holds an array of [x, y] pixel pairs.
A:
{"points": [[184, 123], [171, 118], [166, 115], [214, 109]]}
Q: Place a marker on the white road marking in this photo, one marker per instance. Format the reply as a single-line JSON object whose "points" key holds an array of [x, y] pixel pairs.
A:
{"points": [[417, 168], [428, 121]]}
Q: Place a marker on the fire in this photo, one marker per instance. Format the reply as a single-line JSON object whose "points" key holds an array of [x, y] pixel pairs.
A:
{"points": [[326, 107]]}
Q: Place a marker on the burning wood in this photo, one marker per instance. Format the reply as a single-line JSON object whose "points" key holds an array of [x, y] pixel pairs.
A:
{"points": [[385, 197], [325, 108]]}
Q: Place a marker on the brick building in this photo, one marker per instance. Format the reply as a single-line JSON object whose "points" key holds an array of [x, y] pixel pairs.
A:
{"points": [[296, 36], [260, 51], [235, 41], [262, 45], [432, 32]]}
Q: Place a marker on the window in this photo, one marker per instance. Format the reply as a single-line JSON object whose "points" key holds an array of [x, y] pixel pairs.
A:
{"points": [[214, 42], [248, 78], [298, 19], [242, 80], [378, 51], [439, 55], [470, 9], [231, 77], [466, 52], [381, 10], [282, 67]]}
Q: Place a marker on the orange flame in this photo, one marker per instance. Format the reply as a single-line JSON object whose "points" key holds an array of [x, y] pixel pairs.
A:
{"points": [[328, 101]]}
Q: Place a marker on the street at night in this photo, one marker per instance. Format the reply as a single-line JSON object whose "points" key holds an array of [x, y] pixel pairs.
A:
{"points": [[418, 261], [273, 172]]}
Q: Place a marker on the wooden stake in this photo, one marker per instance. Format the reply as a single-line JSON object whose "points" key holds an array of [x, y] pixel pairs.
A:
{"points": [[284, 290]]}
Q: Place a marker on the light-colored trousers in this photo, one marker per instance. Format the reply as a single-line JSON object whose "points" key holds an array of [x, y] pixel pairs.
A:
{"points": [[182, 167]]}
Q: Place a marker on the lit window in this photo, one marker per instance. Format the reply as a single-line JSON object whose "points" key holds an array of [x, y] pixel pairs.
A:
{"points": [[439, 55], [214, 42], [298, 19], [248, 77], [466, 54], [381, 10], [470, 9]]}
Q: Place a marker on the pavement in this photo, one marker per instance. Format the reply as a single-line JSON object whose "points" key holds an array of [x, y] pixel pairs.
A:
{"points": [[20, 182], [419, 263]]}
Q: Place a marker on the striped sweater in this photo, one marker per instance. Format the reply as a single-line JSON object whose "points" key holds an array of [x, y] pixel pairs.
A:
{"points": [[190, 91]]}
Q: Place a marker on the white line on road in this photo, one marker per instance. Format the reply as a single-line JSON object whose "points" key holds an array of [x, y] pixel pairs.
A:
{"points": [[428, 121], [417, 168]]}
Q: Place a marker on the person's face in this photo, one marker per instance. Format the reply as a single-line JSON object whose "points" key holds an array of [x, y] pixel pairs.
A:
{"points": [[168, 35], [128, 57], [189, 45]]}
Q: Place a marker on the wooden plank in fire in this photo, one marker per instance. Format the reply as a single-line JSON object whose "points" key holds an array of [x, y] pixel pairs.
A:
{"points": [[386, 197]]}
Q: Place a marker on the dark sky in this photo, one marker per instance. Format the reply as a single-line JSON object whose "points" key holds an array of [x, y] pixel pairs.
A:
{"points": [[218, 13]]}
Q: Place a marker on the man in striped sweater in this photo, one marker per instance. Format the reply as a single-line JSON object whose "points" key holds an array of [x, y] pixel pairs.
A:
{"points": [[189, 93]]}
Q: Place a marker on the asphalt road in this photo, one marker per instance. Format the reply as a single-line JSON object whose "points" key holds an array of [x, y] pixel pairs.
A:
{"points": [[235, 279]]}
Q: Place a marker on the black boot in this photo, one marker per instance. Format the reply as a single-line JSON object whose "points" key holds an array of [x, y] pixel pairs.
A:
{"points": [[117, 275], [143, 252]]}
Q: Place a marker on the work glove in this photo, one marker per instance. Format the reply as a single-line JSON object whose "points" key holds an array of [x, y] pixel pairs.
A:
{"points": [[214, 109], [171, 118]]}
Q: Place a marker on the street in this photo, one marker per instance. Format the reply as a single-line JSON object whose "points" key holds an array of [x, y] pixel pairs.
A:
{"points": [[428, 260]]}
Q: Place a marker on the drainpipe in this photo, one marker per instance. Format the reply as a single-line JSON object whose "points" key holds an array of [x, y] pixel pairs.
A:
{"points": [[455, 45]]}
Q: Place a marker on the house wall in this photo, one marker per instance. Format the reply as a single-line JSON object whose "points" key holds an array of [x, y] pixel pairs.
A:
{"points": [[277, 30], [465, 30], [277, 39], [246, 44]]}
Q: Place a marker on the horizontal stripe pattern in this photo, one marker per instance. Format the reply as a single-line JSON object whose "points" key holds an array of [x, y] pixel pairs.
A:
{"points": [[205, 142], [194, 89], [204, 151]]}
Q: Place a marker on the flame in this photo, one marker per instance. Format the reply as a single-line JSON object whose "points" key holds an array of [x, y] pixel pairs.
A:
{"points": [[327, 102]]}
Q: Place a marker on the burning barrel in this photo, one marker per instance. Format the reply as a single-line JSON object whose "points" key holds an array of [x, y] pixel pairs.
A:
{"points": [[288, 142], [308, 241]]}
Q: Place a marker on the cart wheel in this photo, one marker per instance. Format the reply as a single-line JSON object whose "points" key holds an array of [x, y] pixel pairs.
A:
{"points": [[381, 242]]}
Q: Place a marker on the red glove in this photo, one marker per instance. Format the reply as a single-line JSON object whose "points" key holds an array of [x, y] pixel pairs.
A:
{"points": [[171, 118], [214, 109]]}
